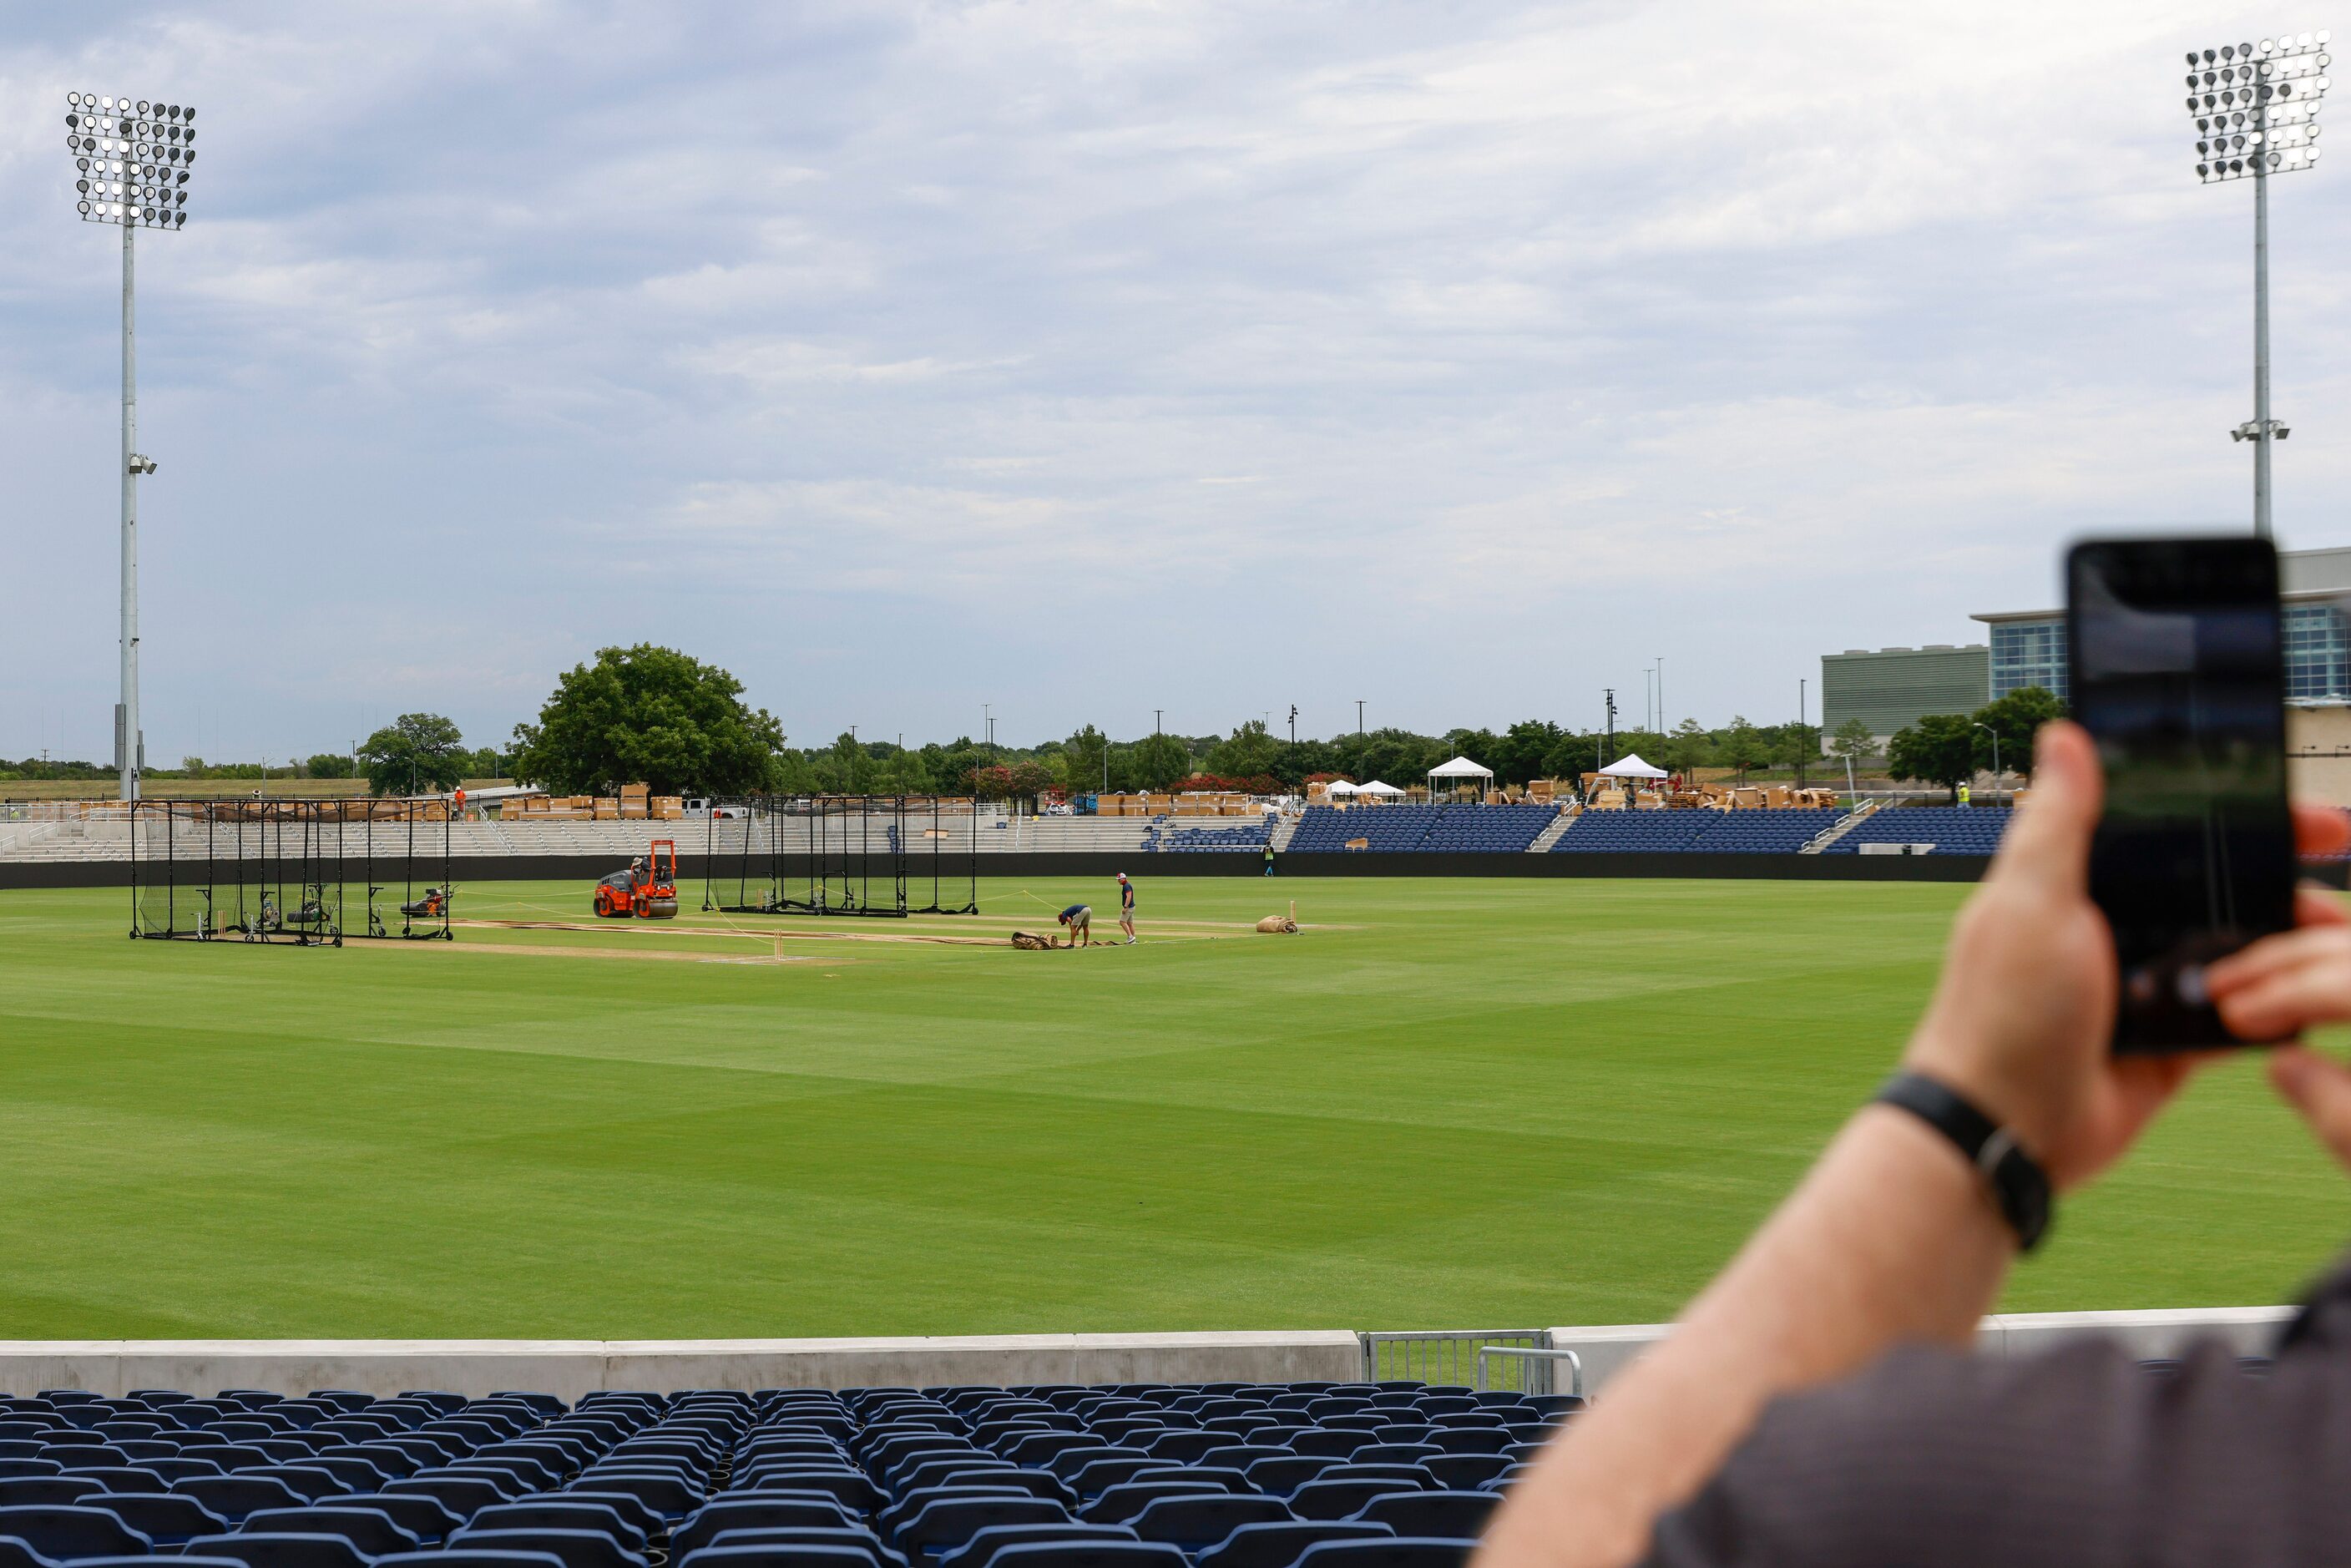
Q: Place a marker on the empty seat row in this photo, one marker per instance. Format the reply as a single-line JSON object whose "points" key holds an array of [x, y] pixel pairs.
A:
{"points": [[1228, 1475]]}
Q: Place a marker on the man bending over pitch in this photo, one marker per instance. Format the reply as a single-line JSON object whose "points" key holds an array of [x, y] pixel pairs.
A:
{"points": [[1079, 919]]}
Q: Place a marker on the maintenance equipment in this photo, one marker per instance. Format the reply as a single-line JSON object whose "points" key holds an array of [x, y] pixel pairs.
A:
{"points": [[645, 890]]}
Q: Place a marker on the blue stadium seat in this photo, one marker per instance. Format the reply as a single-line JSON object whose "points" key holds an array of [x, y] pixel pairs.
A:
{"points": [[258, 1549], [424, 1518], [1399, 1551], [164, 1519], [62, 1531], [234, 1497], [576, 1548], [980, 1551], [1450, 1514], [557, 1512], [1195, 1523], [1280, 1545]]}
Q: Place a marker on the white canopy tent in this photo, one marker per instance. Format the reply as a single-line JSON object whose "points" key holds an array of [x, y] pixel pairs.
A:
{"points": [[1460, 767], [1339, 787], [1384, 790], [1630, 765]]}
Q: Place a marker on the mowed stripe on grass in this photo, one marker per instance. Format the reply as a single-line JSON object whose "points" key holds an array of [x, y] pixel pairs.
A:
{"points": [[1462, 1103]]}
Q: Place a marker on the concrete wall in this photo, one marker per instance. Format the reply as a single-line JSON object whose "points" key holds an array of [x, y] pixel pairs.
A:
{"points": [[570, 1368], [1608, 1349], [2318, 754]]}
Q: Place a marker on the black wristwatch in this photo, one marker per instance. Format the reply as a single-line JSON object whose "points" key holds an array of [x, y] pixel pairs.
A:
{"points": [[2018, 1186]]}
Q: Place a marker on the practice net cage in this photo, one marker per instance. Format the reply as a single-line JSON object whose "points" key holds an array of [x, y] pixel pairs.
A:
{"points": [[841, 854], [308, 872]]}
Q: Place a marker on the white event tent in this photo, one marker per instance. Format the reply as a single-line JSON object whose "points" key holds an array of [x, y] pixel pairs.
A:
{"points": [[1458, 769], [1630, 765], [1386, 791]]}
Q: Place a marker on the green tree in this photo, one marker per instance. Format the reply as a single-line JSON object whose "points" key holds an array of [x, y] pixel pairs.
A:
{"points": [[1854, 741], [414, 753], [1084, 760], [325, 765], [1741, 747], [1161, 761], [1249, 751], [1520, 752], [1940, 749], [652, 716], [2016, 718], [1687, 749], [1797, 744]]}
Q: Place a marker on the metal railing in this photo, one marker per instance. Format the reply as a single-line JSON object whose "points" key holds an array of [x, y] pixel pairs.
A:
{"points": [[1452, 1356], [1531, 1359]]}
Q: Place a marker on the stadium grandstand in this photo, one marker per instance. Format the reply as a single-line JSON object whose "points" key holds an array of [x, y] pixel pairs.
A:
{"points": [[98, 831], [1370, 1475]]}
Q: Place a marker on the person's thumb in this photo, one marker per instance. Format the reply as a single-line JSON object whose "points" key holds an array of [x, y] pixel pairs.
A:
{"points": [[2320, 1090], [2048, 841]]}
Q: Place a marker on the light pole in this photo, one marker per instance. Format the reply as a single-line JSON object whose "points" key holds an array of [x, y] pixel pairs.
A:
{"points": [[131, 161], [2256, 109], [1359, 718], [1995, 759]]}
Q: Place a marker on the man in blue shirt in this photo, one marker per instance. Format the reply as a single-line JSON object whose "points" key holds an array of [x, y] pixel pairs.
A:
{"points": [[1126, 907], [1080, 920]]}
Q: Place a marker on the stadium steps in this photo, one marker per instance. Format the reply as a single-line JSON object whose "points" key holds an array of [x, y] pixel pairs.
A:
{"points": [[1550, 835], [1844, 825], [1285, 828]]}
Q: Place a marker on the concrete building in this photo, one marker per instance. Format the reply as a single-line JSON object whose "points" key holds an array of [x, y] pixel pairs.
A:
{"points": [[2028, 649], [1892, 687], [1895, 686]]}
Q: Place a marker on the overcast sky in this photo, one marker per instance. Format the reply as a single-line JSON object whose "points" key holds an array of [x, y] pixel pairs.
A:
{"points": [[1085, 359]]}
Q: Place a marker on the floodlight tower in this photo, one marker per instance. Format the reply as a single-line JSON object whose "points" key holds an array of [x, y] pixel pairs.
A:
{"points": [[2256, 111], [131, 161]]}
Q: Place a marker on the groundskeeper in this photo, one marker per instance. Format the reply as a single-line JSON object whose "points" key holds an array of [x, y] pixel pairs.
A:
{"points": [[1079, 920], [1126, 907]]}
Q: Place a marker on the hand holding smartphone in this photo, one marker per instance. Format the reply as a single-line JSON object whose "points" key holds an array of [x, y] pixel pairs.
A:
{"points": [[2176, 654]]}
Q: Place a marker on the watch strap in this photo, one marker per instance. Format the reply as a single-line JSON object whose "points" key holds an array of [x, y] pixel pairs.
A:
{"points": [[2018, 1186]]}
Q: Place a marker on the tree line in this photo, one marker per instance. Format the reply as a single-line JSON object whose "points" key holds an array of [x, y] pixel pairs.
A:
{"points": [[1950, 749], [655, 716]]}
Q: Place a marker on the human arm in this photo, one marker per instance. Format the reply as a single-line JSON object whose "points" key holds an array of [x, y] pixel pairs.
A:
{"points": [[1892, 1237]]}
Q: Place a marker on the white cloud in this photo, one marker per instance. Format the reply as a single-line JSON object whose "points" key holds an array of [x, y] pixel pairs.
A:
{"points": [[954, 335]]}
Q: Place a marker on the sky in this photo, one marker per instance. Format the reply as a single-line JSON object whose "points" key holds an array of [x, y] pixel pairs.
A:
{"points": [[1086, 361]]}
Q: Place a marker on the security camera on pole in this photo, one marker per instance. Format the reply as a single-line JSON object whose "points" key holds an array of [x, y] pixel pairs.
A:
{"points": [[131, 161], [2256, 111]]}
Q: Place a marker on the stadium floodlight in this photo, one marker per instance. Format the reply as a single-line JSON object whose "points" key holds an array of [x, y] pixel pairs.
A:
{"points": [[132, 160], [2256, 111]]}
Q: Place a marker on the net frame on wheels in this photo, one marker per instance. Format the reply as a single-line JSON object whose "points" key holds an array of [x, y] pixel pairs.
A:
{"points": [[837, 840], [274, 870]]}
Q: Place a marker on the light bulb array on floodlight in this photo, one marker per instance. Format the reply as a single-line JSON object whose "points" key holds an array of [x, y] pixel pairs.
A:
{"points": [[132, 160], [2256, 106]]}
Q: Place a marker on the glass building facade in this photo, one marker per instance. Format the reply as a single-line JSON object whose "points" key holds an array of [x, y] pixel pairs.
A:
{"points": [[2317, 656], [2028, 653]]}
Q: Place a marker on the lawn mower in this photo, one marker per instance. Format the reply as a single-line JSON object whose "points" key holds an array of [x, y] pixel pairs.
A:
{"points": [[647, 890]]}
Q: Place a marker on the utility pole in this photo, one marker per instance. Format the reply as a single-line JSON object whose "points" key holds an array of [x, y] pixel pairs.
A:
{"points": [[1359, 717], [1803, 743]]}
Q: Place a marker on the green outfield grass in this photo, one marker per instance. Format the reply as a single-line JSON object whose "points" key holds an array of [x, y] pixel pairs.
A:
{"points": [[1451, 1103]]}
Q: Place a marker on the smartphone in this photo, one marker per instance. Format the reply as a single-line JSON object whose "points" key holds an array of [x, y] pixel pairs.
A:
{"points": [[2177, 655]]}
